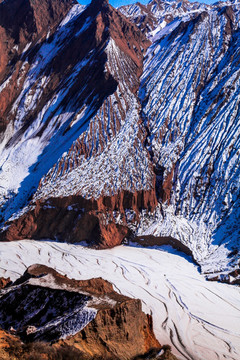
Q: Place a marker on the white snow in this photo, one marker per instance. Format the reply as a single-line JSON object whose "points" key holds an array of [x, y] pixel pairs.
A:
{"points": [[26, 47], [162, 13], [116, 158], [164, 29], [201, 319], [20, 159], [196, 137], [75, 11]]}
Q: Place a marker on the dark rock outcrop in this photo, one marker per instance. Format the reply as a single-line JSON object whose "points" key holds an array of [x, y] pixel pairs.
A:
{"points": [[150, 240]]}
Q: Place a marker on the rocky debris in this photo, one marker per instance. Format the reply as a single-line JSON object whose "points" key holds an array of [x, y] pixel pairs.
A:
{"points": [[45, 305], [154, 354], [232, 277], [4, 282], [235, 273]]}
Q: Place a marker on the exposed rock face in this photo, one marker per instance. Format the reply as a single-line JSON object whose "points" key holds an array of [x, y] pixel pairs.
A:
{"points": [[76, 219], [4, 282], [150, 240], [154, 16], [6, 342], [114, 333], [232, 277], [105, 54], [33, 20], [89, 315]]}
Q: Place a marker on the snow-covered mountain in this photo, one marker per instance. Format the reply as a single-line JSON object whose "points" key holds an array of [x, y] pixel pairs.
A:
{"points": [[118, 123], [154, 16]]}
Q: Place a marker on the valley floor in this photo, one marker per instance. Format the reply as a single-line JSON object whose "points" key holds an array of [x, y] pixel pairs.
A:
{"points": [[201, 319]]}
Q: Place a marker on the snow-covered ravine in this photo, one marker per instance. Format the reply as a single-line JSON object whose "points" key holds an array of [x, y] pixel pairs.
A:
{"points": [[201, 319]]}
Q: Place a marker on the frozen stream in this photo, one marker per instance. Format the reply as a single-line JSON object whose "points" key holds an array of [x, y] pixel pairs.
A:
{"points": [[201, 319]]}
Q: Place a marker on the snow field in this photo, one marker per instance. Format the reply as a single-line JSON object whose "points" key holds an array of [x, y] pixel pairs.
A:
{"points": [[200, 319]]}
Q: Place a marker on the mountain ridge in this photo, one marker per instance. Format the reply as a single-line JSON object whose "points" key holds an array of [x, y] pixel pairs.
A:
{"points": [[136, 112]]}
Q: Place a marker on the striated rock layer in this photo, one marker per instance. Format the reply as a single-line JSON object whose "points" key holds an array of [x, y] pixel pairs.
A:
{"points": [[76, 219]]}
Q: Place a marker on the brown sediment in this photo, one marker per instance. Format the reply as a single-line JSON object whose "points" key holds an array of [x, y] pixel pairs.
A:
{"points": [[75, 219], [151, 240]]}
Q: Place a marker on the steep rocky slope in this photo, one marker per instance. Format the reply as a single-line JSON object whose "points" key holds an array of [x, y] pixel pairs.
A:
{"points": [[156, 14], [190, 98], [33, 22], [85, 315], [111, 63], [126, 123]]}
